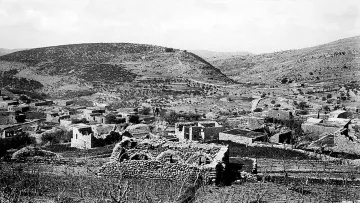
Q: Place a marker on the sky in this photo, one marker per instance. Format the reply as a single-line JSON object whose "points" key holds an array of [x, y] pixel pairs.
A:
{"points": [[257, 26]]}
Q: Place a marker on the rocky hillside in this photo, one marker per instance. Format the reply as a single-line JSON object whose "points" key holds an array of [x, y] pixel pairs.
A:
{"points": [[337, 62], [105, 63]]}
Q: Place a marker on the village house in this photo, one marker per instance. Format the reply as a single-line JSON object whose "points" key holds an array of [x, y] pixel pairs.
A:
{"points": [[199, 130], [55, 117], [94, 115], [83, 136], [8, 105], [87, 136], [12, 129], [7, 117], [280, 114], [42, 103], [284, 136], [242, 136], [316, 127], [340, 114]]}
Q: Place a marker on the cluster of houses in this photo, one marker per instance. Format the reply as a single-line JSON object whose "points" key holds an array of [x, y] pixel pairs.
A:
{"points": [[88, 124]]}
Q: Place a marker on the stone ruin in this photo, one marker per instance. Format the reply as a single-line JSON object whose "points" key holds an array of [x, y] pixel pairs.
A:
{"points": [[165, 160]]}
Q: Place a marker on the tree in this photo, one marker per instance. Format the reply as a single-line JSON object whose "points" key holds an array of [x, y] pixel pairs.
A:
{"points": [[326, 108], [134, 119], [302, 105], [171, 117], [145, 111], [111, 119], [328, 96], [258, 110]]}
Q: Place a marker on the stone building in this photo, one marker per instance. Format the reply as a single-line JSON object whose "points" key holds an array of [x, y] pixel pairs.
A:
{"points": [[7, 117], [242, 136], [55, 117], [83, 136], [199, 130], [94, 115], [280, 114]]}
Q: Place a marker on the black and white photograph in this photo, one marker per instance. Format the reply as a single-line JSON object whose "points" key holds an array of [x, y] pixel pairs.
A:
{"points": [[179, 101]]}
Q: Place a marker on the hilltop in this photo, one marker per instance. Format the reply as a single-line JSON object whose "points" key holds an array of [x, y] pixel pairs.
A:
{"points": [[83, 65], [336, 62], [214, 55]]}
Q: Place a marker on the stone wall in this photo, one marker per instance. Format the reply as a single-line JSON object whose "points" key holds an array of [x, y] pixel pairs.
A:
{"points": [[167, 160]]}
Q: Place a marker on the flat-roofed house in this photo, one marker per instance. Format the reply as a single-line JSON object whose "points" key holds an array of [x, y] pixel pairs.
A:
{"points": [[199, 130], [242, 136]]}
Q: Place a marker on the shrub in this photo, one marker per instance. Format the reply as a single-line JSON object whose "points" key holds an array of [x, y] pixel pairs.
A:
{"points": [[19, 140], [145, 111], [76, 121], [56, 137], [277, 105], [328, 96], [273, 102], [258, 110], [171, 117], [134, 119], [302, 105], [111, 119]]}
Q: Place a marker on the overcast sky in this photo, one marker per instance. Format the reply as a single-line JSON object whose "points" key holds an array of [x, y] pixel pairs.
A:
{"points": [[220, 25]]}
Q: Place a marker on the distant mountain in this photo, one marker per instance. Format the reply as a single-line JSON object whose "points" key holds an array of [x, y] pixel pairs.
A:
{"points": [[8, 51], [337, 62], [105, 63], [214, 55]]}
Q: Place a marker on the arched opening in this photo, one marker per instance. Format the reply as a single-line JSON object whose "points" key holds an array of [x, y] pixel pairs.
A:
{"points": [[169, 157], [199, 159], [140, 156]]}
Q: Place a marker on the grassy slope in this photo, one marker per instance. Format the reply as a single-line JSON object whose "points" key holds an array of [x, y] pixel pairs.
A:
{"points": [[337, 61]]}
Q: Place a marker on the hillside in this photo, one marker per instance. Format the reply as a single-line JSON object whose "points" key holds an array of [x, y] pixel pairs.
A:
{"points": [[109, 63], [7, 51], [214, 55], [336, 62]]}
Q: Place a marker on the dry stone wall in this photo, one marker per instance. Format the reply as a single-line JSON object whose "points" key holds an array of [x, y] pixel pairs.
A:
{"points": [[167, 160]]}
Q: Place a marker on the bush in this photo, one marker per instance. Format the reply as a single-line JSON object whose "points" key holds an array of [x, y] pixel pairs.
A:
{"points": [[302, 105], [111, 119], [18, 141], [258, 110], [273, 102], [277, 105], [56, 137], [171, 117], [134, 119], [328, 96]]}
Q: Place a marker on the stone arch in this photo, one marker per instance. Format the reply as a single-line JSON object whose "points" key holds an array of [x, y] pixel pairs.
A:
{"points": [[119, 153], [141, 156], [170, 156], [199, 159], [128, 143]]}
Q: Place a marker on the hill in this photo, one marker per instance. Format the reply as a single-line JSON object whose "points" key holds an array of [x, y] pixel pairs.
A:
{"points": [[7, 51], [336, 62], [214, 55], [83, 65]]}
